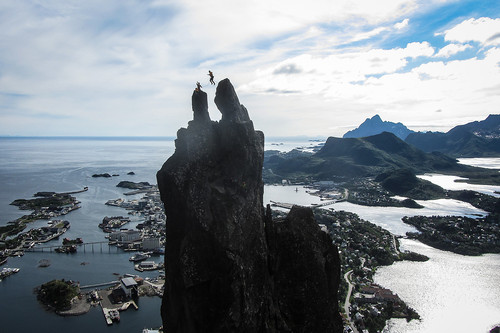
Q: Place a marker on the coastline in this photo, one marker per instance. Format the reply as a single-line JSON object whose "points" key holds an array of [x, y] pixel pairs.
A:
{"points": [[78, 307]]}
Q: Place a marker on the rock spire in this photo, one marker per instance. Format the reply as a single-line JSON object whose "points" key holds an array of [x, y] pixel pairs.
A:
{"points": [[229, 266]]}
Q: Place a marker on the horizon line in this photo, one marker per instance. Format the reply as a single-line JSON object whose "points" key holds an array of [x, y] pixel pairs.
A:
{"points": [[152, 137]]}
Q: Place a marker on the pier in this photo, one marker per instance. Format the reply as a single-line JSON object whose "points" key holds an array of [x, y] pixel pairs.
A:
{"points": [[104, 284], [326, 203], [282, 204], [75, 192], [289, 205]]}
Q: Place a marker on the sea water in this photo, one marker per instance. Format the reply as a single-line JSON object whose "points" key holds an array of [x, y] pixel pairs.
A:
{"points": [[451, 292], [451, 183], [29, 165]]}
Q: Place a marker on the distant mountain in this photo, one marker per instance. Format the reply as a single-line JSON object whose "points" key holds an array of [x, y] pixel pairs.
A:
{"points": [[375, 125], [486, 129], [357, 157], [475, 139]]}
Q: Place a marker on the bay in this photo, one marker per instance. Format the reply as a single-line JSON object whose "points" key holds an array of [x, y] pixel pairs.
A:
{"points": [[450, 183], [482, 162], [451, 292], [388, 218]]}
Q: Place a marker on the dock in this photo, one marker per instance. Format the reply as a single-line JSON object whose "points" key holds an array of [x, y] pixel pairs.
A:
{"points": [[104, 284], [289, 205], [282, 204], [75, 192], [324, 203], [107, 316], [111, 310]]}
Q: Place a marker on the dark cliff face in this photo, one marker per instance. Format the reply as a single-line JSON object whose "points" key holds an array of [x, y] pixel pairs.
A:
{"points": [[221, 273], [306, 274]]}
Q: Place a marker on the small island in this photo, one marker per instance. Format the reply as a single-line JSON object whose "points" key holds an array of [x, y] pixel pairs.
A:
{"points": [[62, 297], [101, 175], [45, 206], [458, 234], [134, 186]]}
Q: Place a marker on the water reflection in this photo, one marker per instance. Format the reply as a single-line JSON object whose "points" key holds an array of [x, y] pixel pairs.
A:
{"points": [[485, 162], [449, 183], [451, 292]]}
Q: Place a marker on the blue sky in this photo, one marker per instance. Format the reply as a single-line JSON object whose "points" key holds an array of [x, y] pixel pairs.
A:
{"points": [[317, 68]]}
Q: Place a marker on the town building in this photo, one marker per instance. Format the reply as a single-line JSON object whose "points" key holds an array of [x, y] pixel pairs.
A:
{"points": [[125, 236]]}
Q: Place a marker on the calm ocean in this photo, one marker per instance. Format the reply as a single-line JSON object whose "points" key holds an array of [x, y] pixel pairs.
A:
{"points": [[29, 165]]}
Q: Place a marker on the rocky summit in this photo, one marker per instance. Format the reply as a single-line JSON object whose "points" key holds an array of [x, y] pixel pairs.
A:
{"points": [[229, 266]]}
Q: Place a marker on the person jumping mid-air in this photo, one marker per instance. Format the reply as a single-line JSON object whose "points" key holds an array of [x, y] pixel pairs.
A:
{"points": [[211, 77]]}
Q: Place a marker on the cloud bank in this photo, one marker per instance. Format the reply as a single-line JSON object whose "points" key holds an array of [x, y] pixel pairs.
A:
{"points": [[315, 68]]}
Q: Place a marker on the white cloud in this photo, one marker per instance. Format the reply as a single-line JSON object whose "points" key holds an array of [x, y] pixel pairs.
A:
{"points": [[377, 31], [136, 62], [370, 82], [483, 30], [402, 24], [452, 49], [418, 49], [368, 34], [330, 74]]}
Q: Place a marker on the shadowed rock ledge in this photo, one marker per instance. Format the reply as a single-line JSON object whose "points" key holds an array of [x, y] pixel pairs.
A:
{"points": [[229, 266]]}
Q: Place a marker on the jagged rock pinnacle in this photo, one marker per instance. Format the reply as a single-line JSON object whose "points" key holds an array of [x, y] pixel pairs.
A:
{"points": [[228, 103], [223, 260], [200, 106]]}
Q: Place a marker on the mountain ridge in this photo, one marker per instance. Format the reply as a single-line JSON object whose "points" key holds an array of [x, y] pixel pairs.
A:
{"points": [[357, 157], [474, 139]]}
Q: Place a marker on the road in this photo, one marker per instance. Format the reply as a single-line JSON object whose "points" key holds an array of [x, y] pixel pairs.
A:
{"points": [[395, 244], [347, 303]]}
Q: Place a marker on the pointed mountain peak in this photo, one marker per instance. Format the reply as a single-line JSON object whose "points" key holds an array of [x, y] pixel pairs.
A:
{"points": [[375, 125]]}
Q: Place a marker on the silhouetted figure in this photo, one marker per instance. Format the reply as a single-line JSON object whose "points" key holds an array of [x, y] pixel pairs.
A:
{"points": [[198, 86], [211, 77]]}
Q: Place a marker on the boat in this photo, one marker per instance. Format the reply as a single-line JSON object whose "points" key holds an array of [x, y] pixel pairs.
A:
{"points": [[140, 256], [114, 315], [18, 253], [146, 266], [6, 271], [44, 263], [28, 244]]}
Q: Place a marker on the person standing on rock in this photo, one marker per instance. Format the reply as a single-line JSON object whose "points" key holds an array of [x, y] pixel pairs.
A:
{"points": [[211, 77], [198, 86]]}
